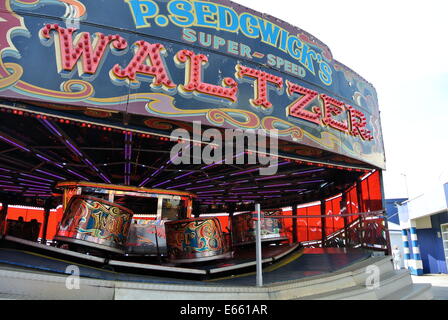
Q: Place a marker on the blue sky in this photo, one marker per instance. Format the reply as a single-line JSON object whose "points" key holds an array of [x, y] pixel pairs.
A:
{"points": [[400, 47]]}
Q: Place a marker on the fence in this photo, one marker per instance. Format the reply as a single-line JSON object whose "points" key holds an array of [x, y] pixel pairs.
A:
{"points": [[361, 230]]}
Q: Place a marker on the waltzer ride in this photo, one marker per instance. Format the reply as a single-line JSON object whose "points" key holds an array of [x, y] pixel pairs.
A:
{"points": [[95, 96]]}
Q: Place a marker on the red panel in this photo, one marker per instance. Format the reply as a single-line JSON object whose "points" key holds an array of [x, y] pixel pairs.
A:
{"points": [[375, 192], [314, 224], [371, 192], [144, 218], [38, 214], [224, 223], [352, 203], [365, 193], [338, 222], [302, 225], [287, 225], [333, 224], [329, 222]]}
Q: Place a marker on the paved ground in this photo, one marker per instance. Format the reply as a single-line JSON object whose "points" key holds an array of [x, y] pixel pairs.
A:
{"points": [[439, 284]]}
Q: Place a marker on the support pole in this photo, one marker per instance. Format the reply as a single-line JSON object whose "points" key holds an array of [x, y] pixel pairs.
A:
{"points": [[196, 209], [294, 223], [159, 257], [406, 248], [361, 208], [386, 231], [344, 211], [386, 224], [258, 247], [416, 263], [3, 216], [45, 226], [359, 196], [230, 224], [323, 211]]}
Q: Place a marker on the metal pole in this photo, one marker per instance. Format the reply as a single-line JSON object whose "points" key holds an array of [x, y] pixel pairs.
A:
{"points": [[258, 247], [45, 226], [344, 211], [157, 244], [360, 209], [230, 226], [3, 216], [295, 239], [383, 204], [323, 211], [406, 183]]}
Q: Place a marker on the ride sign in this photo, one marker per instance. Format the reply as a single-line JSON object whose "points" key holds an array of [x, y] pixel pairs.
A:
{"points": [[210, 61]]}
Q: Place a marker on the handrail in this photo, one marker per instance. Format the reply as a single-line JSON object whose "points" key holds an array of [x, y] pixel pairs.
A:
{"points": [[379, 213]]}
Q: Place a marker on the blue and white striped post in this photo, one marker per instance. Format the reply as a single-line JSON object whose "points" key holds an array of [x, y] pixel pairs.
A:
{"points": [[407, 252], [416, 265]]}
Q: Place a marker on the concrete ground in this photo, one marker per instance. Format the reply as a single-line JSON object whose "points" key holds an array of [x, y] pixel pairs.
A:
{"points": [[439, 284]]}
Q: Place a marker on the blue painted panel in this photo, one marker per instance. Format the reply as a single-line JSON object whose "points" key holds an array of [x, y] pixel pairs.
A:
{"points": [[439, 219], [431, 250]]}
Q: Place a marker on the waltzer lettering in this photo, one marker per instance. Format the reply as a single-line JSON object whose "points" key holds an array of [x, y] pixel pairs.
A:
{"points": [[355, 121], [297, 108], [333, 107], [148, 64], [358, 123], [261, 85], [193, 77], [69, 54]]}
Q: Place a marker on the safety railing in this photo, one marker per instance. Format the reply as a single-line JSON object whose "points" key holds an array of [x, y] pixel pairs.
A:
{"points": [[366, 230]]}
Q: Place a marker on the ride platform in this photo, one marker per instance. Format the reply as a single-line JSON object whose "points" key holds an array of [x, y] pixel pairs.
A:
{"points": [[280, 263]]}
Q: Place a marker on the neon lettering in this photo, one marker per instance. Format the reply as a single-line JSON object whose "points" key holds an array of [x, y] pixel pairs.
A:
{"points": [[297, 108], [193, 77], [69, 54], [147, 62], [261, 85], [333, 107]]}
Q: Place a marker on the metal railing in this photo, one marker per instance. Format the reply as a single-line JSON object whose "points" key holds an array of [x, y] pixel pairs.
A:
{"points": [[369, 231]]}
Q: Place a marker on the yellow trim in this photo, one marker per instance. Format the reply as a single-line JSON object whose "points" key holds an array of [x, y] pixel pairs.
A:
{"points": [[284, 262], [61, 260], [122, 188]]}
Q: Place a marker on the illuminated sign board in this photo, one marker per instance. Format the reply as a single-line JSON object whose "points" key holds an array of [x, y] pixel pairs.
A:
{"points": [[210, 61]]}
